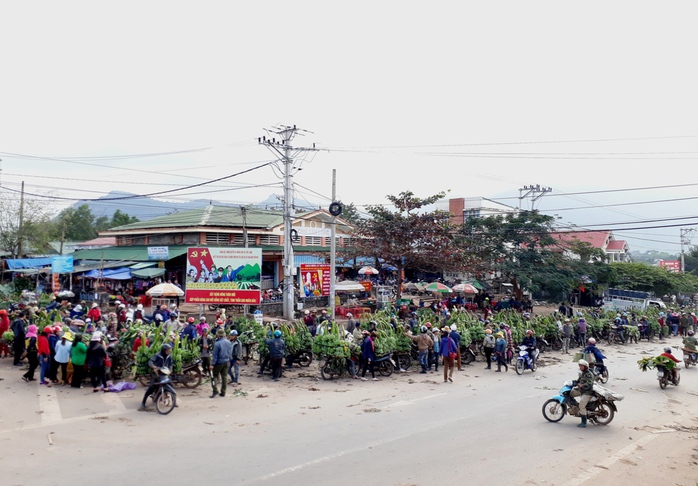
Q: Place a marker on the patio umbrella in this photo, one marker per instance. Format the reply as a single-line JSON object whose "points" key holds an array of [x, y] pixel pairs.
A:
{"points": [[437, 287], [465, 288], [165, 290], [365, 270]]}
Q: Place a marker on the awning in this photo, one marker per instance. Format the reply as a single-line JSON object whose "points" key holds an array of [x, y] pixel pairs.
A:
{"points": [[139, 266], [137, 253], [22, 263], [307, 259], [147, 272], [478, 285], [110, 274]]}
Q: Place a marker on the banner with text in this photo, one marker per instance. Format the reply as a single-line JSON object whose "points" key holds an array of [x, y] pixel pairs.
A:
{"points": [[315, 279], [231, 276]]}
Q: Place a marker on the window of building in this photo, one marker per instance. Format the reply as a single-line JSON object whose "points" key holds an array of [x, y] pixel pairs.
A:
{"points": [[124, 240], [217, 239], [313, 241], [269, 239]]}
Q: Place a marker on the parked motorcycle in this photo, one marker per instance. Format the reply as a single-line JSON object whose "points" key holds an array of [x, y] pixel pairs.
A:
{"points": [[665, 376], [165, 397], [600, 410], [385, 365], [302, 358], [526, 362], [469, 353]]}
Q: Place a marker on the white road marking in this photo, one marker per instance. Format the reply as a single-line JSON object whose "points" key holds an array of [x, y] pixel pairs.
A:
{"points": [[116, 405], [49, 406], [608, 462], [412, 402]]}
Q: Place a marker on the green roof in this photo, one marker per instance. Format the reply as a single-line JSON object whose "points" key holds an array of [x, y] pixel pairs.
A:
{"points": [[213, 216], [137, 253]]}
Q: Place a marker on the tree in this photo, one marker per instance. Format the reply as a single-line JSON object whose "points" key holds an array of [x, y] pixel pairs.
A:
{"points": [[33, 235], [647, 278], [521, 247], [119, 218], [349, 213], [76, 224], [409, 237]]}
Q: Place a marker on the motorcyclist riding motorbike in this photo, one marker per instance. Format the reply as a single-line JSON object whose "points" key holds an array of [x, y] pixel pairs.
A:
{"points": [[159, 360], [691, 343], [667, 354], [618, 327], [530, 342], [583, 388], [593, 350]]}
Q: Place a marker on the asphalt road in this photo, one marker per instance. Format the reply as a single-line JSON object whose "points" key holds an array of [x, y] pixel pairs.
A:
{"points": [[409, 429]]}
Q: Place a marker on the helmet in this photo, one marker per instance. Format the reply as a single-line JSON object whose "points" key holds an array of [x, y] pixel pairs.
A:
{"points": [[122, 306], [349, 314], [165, 347], [529, 332], [690, 332], [488, 331], [57, 327], [423, 329], [413, 313], [233, 332], [667, 350], [428, 325], [453, 327], [306, 312], [191, 319], [219, 321], [277, 333], [48, 330], [591, 341], [583, 362], [579, 314], [202, 319]]}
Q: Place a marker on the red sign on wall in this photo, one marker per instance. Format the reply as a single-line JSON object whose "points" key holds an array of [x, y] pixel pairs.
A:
{"points": [[315, 279]]}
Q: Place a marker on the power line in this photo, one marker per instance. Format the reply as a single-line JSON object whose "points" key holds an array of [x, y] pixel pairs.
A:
{"points": [[157, 193]]}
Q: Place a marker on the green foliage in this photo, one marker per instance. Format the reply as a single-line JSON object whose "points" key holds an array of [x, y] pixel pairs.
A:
{"points": [[648, 363], [8, 336]]}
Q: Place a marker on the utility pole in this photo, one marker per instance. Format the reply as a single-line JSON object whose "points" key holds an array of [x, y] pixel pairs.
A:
{"points": [[21, 222], [535, 192], [333, 247], [283, 149], [243, 210], [686, 235]]}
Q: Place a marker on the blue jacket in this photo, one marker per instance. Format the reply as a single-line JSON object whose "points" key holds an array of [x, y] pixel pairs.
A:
{"points": [[500, 346], [222, 351], [189, 332], [448, 345], [277, 347], [596, 352], [456, 337], [367, 351]]}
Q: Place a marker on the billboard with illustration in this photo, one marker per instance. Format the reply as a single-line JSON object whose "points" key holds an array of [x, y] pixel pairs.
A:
{"points": [[231, 276], [315, 279]]}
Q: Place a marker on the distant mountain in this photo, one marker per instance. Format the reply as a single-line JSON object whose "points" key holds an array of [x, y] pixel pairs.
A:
{"points": [[147, 208]]}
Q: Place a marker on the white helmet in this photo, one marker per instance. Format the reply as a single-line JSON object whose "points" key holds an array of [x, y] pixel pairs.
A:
{"points": [[453, 327], [583, 362], [591, 341]]}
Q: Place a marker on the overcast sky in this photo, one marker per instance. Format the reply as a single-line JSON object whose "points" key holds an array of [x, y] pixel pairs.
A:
{"points": [[476, 98]]}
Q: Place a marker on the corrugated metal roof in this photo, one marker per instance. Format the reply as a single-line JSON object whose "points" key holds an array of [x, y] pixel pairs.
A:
{"points": [[124, 253], [211, 216]]}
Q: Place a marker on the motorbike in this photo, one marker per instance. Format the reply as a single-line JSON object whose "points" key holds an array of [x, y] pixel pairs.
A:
{"points": [[665, 377], [302, 358], [385, 365], [334, 366], [690, 357], [469, 353], [600, 376], [524, 361], [190, 377], [165, 397], [600, 410]]}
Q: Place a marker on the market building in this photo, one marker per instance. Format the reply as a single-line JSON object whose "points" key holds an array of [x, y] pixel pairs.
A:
{"points": [[157, 248]]}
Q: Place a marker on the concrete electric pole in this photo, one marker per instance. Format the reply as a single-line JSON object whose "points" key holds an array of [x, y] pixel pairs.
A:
{"points": [[535, 192], [686, 235], [283, 149]]}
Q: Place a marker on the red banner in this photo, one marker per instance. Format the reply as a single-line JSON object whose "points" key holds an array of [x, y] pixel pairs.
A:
{"points": [[315, 278]]}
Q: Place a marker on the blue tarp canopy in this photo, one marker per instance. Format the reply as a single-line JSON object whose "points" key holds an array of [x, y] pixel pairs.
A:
{"points": [[110, 273], [22, 263]]}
